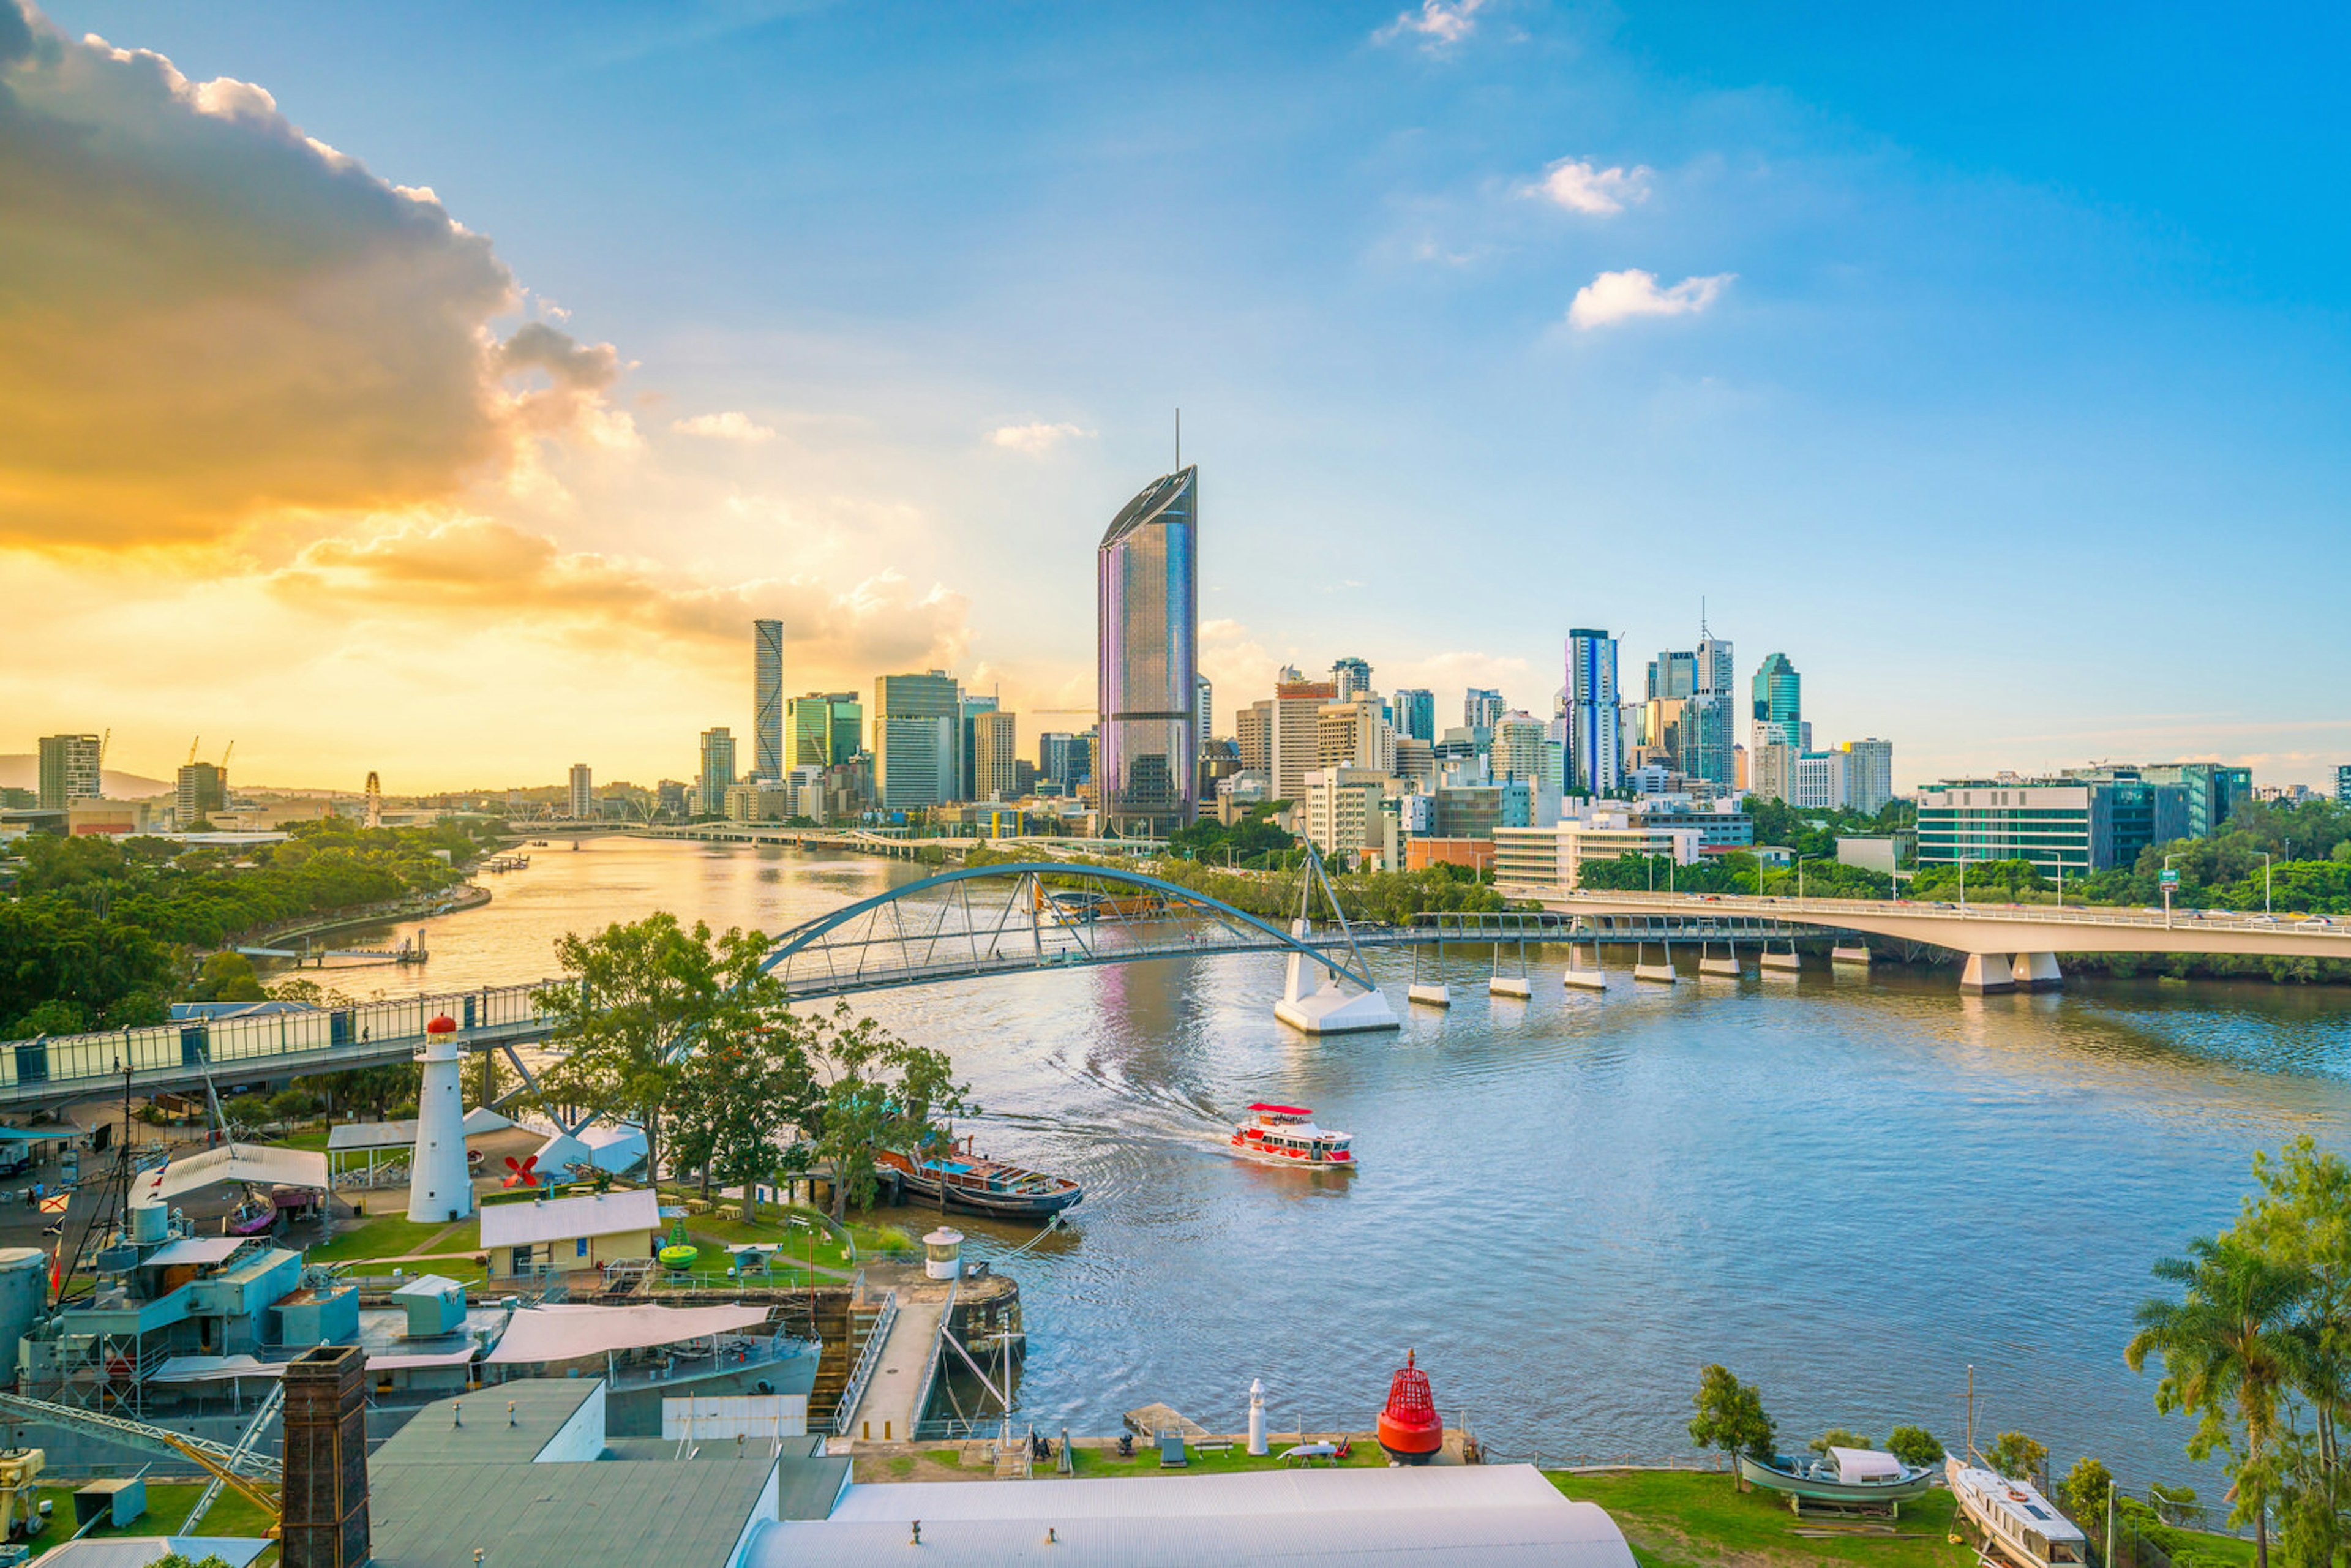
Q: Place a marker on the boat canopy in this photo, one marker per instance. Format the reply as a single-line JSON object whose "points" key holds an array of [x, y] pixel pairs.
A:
{"points": [[1284, 1110], [1859, 1466]]}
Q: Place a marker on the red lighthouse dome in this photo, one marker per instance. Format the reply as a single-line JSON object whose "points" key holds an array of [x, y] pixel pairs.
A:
{"points": [[1409, 1428]]}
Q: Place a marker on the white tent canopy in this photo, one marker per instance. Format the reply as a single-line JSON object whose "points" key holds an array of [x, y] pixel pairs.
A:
{"points": [[1856, 1465], [568, 1333], [234, 1163]]}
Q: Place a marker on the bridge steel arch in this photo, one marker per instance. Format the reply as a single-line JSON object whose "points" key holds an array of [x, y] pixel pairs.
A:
{"points": [[1032, 929]]}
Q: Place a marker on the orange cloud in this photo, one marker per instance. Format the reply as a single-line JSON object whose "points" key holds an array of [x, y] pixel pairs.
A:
{"points": [[207, 316], [472, 567]]}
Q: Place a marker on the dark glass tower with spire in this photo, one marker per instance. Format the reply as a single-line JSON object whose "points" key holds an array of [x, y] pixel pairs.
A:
{"points": [[1147, 576]]}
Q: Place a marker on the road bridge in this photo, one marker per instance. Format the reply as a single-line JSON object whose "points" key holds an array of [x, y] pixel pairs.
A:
{"points": [[977, 922], [2006, 946]]}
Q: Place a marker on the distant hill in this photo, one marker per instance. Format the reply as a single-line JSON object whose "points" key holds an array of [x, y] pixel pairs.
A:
{"points": [[22, 771]]}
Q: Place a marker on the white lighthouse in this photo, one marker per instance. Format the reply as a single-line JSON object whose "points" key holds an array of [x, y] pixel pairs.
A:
{"points": [[439, 1188]]}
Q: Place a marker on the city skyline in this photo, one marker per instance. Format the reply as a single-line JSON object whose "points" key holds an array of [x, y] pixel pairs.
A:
{"points": [[1763, 297]]}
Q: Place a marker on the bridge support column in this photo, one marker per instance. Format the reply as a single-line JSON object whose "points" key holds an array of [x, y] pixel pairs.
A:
{"points": [[1987, 973], [2036, 972]]}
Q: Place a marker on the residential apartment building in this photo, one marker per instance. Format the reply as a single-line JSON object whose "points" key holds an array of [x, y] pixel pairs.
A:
{"points": [[995, 762], [1296, 741], [581, 799], [717, 774], [70, 770], [1594, 761], [1519, 749], [1342, 810], [1253, 735], [1354, 733], [1352, 678], [1869, 774], [202, 788], [1481, 709], [1820, 781], [1415, 711]]}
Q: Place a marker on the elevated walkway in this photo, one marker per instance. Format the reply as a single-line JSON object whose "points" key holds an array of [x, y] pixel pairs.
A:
{"points": [[899, 1384]]}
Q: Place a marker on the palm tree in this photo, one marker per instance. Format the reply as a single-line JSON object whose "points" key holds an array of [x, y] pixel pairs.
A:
{"points": [[2229, 1348]]}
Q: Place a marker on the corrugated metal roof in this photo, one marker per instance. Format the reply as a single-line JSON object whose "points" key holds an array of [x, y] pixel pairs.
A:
{"points": [[433, 1436], [1502, 1514], [562, 1515], [561, 1218], [348, 1135], [234, 1162]]}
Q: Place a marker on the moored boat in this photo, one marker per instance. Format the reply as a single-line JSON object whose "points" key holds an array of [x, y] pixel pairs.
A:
{"points": [[1287, 1136], [964, 1180], [1843, 1478], [2017, 1522]]}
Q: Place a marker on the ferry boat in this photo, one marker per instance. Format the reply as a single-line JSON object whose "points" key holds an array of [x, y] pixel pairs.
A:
{"points": [[1286, 1134], [2017, 1522], [1843, 1477], [964, 1180]]}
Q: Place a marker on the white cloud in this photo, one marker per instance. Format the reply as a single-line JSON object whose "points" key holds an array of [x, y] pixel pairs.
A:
{"points": [[1035, 439], [1580, 187], [731, 425], [1614, 296], [1438, 24]]}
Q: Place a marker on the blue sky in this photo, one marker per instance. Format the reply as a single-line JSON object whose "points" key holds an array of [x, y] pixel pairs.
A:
{"points": [[2003, 394]]}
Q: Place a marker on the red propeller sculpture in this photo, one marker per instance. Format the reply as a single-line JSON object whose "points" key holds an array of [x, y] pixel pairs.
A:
{"points": [[522, 1173]]}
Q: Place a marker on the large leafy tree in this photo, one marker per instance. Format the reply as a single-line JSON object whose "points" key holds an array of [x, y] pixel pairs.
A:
{"points": [[639, 994], [749, 1079], [2232, 1355], [880, 1092]]}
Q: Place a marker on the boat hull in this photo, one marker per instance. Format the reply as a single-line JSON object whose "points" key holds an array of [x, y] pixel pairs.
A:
{"points": [[919, 1187], [1846, 1493]]}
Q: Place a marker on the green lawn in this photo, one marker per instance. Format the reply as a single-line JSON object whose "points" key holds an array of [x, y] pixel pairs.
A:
{"points": [[167, 1510], [1678, 1519], [390, 1236], [1104, 1460]]}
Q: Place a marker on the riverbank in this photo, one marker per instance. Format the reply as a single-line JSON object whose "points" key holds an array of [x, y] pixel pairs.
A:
{"points": [[450, 900]]}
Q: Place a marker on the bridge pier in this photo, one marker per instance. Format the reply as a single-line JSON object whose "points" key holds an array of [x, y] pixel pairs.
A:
{"points": [[2036, 972], [1987, 973]]}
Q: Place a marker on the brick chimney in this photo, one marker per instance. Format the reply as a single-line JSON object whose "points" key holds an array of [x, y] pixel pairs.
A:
{"points": [[325, 1521]]}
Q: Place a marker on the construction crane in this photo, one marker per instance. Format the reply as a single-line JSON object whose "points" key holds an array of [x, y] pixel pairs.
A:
{"points": [[224, 755], [104, 741], [191, 762]]}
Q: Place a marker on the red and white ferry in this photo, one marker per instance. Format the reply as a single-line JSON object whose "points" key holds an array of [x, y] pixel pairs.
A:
{"points": [[1287, 1136]]}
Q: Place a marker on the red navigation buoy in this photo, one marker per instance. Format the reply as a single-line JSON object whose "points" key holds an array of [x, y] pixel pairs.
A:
{"points": [[1409, 1428]]}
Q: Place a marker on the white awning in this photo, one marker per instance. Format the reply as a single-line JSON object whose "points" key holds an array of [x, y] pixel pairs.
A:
{"points": [[427, 1287], [568, 1333], [215, 1368], [193, 1249], [245, 1163]]}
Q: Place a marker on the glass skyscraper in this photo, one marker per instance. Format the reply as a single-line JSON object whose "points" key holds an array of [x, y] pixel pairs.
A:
{"points": [[1147, 578], [1415, 714], [767, 699], [1778, 693]]}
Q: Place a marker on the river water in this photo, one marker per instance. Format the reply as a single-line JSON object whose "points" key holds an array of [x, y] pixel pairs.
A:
{"points": [[1848, 1190]]}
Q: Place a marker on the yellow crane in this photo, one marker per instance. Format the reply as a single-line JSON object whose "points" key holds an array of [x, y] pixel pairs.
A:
{"points": [[191, 762]]}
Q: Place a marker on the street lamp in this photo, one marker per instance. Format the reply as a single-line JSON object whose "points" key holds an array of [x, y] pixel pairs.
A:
{"points": [[2167, 884], [1799, 875], [2265, 883]]}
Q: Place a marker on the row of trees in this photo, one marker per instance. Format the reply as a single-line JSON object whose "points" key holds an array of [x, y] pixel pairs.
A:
{"points": [[2256, 1349], [1731, 1418], [680, 1031], [99, 931]]}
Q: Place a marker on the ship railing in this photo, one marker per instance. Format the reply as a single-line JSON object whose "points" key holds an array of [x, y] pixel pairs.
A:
{"points": [[868, 1357]]}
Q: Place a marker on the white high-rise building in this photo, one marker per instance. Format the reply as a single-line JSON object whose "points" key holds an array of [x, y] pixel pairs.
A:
{"points": [[1595, 730], [1820, 783], [1869, 775], [584, 793]]}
